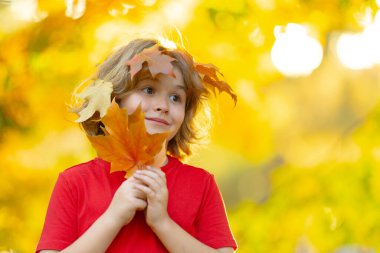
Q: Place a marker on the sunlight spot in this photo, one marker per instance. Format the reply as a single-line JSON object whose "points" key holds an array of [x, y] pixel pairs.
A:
{"points": [[114, 12], [352, 52], [108, 31], [179, 12], [364, 18], [27, 10], [360, 50], [75, 8], [266, 4], [149, 2], [294, 52], [257, 37], [176, 12], [167, 43]]}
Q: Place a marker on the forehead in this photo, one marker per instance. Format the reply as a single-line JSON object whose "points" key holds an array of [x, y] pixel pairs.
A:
{"points": [[176, 80]]}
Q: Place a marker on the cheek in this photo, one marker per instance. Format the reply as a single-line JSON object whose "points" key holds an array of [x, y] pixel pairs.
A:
{"points": [[131, 102], [180, 117]]}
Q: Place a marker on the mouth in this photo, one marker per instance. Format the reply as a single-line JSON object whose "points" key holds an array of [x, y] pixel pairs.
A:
{"points": [[158, 120]]}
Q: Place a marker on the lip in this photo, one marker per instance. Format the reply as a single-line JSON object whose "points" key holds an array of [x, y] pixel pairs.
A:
{"points": [[158, 120]]}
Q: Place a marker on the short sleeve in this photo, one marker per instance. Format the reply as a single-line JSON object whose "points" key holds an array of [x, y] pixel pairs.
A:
{"points": [[60, 228], [212, 222]]}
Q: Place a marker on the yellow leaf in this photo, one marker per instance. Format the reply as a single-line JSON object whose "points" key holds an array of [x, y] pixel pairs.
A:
{"points": [[98, 97]]}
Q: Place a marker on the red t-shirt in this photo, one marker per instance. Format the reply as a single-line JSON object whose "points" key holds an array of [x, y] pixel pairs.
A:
{"points": [[82, 194]]}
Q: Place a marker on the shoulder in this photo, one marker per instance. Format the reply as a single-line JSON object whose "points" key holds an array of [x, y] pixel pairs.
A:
{"points": [[189, 170], [89, 178], [188, 175], [93, 167]]}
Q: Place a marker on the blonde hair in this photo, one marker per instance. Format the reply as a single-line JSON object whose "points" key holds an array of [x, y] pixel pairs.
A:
{"points": [[196, 123]]}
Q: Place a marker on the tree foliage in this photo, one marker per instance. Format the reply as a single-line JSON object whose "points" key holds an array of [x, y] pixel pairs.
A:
{"points": [[296, 159]]}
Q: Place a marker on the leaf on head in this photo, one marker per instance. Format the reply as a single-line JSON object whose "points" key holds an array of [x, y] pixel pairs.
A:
{"points": [[209, 75], [157, 62]]}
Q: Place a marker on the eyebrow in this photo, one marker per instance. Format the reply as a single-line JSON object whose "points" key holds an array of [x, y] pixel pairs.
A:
{"points": [[178, 86], [181, 87]]}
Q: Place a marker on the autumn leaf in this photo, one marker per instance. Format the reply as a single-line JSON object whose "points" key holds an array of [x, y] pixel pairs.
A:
{"points": [[208, 74], [126, 143], [208, 69], [156, 60], [99, 99]]}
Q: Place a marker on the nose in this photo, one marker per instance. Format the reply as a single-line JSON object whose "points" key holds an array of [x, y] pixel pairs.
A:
{"points": [[161, 105]]}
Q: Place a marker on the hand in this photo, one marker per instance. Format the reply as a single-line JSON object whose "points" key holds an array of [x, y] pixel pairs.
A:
{"points": [[153, 184], [126, 201]]}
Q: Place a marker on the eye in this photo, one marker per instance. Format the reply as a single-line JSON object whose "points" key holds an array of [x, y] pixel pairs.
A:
{"points": [[175, 98], [148, 90]]}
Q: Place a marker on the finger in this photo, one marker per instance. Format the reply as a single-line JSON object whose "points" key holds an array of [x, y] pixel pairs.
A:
{"points": [[131, 178], [151, 174], [138, 193], [157, 171], [140, 204], [149, 192], [155, 175], [136, 180], [150, 179]]}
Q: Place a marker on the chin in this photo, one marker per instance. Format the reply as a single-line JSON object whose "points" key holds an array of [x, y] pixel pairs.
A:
{"points": [[153, 130]]}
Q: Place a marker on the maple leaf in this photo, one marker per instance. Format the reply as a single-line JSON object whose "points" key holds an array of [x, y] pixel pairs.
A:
{"points": [[98, 97], [126, 143], [208, 73], [156, 60]]}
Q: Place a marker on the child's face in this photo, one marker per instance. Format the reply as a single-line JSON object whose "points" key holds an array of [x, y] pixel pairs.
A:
{"points": [[162, 100]]}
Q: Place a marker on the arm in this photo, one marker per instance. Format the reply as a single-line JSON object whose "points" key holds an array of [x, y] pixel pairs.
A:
{"points": [[120, 212], [96, 239], [175, 238]]}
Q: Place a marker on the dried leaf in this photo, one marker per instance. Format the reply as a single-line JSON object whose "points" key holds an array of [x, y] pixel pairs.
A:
{"points": [[207, 69], [126, 144], [208, 73], [98, 97], [156, 60]]}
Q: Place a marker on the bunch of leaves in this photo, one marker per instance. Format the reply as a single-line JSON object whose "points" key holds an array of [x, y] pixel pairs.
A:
{"points": [[126, 145], [158, 62]]}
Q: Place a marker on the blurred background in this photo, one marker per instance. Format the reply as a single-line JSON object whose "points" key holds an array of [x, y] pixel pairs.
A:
{"points": [[296, 159]]}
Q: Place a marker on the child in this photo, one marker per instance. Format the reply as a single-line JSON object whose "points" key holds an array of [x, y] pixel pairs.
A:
{"points": [[167, 207]]}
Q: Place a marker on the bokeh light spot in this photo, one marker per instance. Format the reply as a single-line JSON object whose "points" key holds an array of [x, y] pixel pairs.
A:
{"points": [[360, 50], [294, 52]]}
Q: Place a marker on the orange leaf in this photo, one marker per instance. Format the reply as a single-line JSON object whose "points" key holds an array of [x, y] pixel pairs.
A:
{"points": [[156, 60], [126, 144], [207, 69], [208, 73]]}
